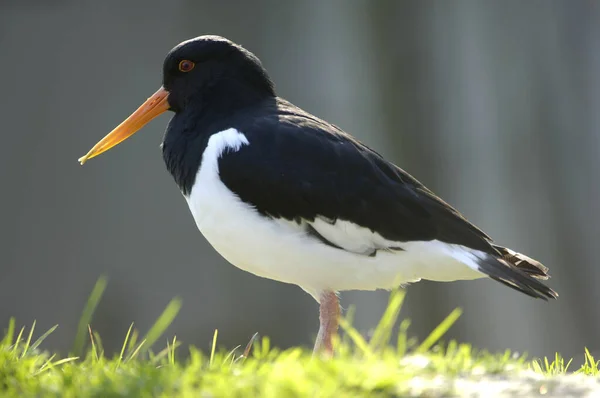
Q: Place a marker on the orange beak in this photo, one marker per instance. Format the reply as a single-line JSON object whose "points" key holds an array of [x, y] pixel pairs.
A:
{"points": [[154, 106]]}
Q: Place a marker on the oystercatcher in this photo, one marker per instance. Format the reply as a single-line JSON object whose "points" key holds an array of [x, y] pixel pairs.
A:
{"points": [[287, 196]]}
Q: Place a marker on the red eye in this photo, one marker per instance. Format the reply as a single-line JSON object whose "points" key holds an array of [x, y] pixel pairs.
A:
{"points": [[186, 66]]}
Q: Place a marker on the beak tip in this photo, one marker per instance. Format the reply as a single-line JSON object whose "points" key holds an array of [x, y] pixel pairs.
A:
{"points": [[155, 105]]}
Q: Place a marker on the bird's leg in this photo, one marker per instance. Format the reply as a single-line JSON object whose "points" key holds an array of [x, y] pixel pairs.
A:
{"points": [[329, 314]]}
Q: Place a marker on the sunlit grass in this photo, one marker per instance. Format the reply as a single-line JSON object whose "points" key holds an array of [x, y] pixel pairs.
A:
{"points": [[380, 366]]}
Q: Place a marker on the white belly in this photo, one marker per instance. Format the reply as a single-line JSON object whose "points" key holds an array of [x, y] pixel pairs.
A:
{"points": [[281, 250]]}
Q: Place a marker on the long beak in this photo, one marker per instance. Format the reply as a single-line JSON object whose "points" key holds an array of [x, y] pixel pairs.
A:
{"points": [[154, 106]]}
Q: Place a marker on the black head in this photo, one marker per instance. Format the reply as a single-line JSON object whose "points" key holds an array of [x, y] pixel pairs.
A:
{"points": [[208, 77], [213, 71]]}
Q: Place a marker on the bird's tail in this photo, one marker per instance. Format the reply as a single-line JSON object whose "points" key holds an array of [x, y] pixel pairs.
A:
{"points": [[517, 271], [526, 264]]}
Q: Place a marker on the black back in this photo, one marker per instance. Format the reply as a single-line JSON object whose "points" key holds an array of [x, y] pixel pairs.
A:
{"points": [[298, 166]]}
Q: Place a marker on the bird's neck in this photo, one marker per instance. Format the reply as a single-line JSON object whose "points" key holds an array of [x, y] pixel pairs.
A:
{"points": [[182, 148], [189, 130]]}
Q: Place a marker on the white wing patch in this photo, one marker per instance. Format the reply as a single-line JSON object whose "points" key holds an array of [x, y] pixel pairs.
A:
{"points": [[352, 237], [360, 240]]}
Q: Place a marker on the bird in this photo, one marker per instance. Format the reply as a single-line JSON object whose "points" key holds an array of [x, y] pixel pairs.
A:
{"points": [[285, 195]]}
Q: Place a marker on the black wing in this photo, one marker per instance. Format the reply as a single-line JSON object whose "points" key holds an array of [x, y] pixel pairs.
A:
{"points": [[300, 167]]}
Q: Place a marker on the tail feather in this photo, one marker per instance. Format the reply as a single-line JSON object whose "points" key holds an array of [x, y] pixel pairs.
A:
{"points": [[518, 272], [526, 264]]}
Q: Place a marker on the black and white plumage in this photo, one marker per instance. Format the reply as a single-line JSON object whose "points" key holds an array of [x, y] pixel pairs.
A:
{"points": [[285, 195], [310, 205]]}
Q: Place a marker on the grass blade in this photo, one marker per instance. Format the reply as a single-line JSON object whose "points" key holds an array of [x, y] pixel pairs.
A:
{"points": [[255, 337], [402, 344], [172, 350], [383, 331], [356, 338], [133, 339], [439, 331], [94, 349], [46, 364], [86, 316], [214, 346], [136, 351], [49, 364], [124, 345], [43, 337], [10, 333], [18, 341], [99, 345], [28, 342], [231, 355], [162, 323], [168, 351]]}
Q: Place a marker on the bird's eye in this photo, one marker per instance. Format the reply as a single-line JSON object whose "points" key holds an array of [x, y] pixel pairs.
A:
{"points": [[186, 66]]}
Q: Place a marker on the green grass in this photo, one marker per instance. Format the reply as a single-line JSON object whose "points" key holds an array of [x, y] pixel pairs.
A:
{"points": [[378, 367]]}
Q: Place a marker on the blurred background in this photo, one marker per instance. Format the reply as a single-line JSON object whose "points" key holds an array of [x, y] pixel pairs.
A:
{"points": [[494, 105]]}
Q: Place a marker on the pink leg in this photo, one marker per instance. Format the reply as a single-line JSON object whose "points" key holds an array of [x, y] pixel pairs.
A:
{"points": [[329, 313]]}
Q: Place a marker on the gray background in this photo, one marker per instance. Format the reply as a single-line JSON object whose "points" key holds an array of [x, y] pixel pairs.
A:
{"points": [[494, 105]]}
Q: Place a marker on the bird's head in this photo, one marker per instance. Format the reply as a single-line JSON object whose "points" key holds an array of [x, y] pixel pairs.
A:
{"points": [[201, 73], [211, 68]]}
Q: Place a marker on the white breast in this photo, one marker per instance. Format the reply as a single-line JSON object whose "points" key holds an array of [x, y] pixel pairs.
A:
{"points": [[281, 250]]}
